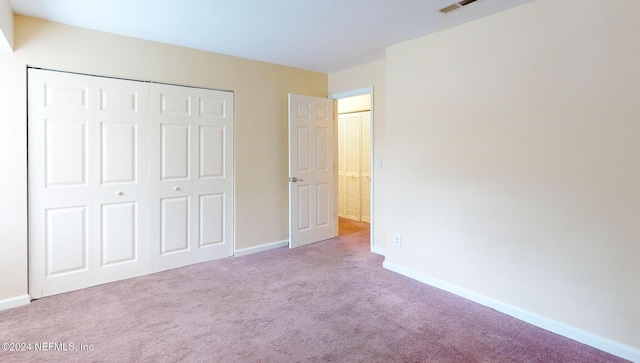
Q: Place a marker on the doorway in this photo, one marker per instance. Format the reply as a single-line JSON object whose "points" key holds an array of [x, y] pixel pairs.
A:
{"points": [[354, 125]]}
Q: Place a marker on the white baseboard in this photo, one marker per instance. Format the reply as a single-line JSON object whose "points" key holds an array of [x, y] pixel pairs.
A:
{"points": [[14, 302], [378, 250], [261, 248], [598, 342]]}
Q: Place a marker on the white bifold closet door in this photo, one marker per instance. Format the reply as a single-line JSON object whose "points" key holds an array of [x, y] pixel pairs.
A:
{"points": [[93, 194], [354, 169], [365, 166], [191, 177]]}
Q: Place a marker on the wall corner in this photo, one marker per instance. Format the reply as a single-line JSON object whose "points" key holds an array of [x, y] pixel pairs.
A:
{"points": [[6, 26]]}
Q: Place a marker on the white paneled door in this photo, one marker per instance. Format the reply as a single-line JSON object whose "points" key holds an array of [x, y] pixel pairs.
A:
{"points": [[191, 177], [365, 166], [312, 174], [88, 198], [96, 180]]}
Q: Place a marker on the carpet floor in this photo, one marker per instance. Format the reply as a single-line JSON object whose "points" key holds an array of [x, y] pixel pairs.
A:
{"points": [[327, 302]]}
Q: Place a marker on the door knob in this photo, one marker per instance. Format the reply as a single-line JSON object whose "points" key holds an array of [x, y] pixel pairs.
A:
{"points": [[294, 179]]}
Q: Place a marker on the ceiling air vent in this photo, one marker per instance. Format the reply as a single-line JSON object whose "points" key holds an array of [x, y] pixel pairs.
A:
{"points": [[456, 6]]}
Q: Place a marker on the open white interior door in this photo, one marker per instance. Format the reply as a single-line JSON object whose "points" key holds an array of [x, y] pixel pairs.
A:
{"points": [[312, 174]]}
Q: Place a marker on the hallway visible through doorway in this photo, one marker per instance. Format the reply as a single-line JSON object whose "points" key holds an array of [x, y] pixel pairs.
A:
{"points": [[354, 158], [349, 227]]}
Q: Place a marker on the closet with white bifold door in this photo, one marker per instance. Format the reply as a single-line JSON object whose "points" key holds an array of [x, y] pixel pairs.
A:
{"points": [[126, 178], [354, 165]]}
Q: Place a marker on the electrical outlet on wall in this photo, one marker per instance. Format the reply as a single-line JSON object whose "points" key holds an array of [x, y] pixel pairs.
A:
{"points": [[397, 240]]}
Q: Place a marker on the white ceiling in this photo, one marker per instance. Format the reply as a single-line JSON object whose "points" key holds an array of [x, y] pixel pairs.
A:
{"points": [[320, 35]]}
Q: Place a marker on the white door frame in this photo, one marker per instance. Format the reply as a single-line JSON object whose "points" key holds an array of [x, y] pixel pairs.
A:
{"points": [[360, 92]]}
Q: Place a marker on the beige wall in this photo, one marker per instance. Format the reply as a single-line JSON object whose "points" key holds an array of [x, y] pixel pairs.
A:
{"points": [[354, 104], [514, 151], [260, 123], [370, 75], [6, 26]]}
